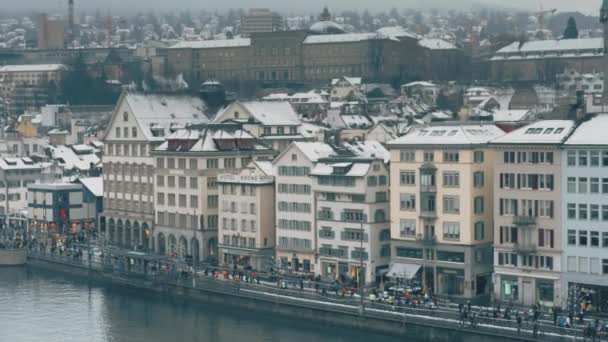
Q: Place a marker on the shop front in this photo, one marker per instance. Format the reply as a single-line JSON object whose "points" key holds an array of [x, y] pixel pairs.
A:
{"points": [[450, 281]]}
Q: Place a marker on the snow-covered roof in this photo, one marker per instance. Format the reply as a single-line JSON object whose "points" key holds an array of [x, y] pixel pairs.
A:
{"points": [[369, 149], [339, 38], [159, 111], [436, 44], [19, 164], [216, 43], [449, 135], [420, 83], [552, 48], [394, 32], [271, 113], [69, 160], [32, 68], [354, 121], [207, 139], [590, 132], [314, 150], [540, 132], [326, 26], [93, 184], [354, 81], [265, 166], [510, 115], [354, 169]]}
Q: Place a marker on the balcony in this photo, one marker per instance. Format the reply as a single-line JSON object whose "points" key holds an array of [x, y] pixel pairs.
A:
{"points": [[524, 248], [426, 240], [428, 214], [428, 188], [524, 220]]}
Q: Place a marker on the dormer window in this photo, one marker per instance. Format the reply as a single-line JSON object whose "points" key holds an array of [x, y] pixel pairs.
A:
{"points": [[236, 114]]}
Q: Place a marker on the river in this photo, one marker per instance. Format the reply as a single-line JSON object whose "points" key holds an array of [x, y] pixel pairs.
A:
{"points": [[41, 306]]}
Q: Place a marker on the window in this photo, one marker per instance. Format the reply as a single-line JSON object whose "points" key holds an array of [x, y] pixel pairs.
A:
{"points": [[181, 163], [407, 177], [594, 212], [582, 238], [134, 132], [571, 237], [478, 156], [407, 228], [382, 180], [509, 157], [407, 201], [212, 164], [546, 238], [182, 201], [451, 204], [478, 205], [605, 239], [193, 201], [372, 181], [160, 198], [429, 156], [181, 181], [604, 158], [413, 253], [160, 163], [451, 157], [571, 187], [451, 231], [171, 200], [171, 163], [193, 183], [451, 179], [571, 158], [582, 211], [478, 179], [212, 201], [193, 164], [594, 185], [406, 155], [294, 157], [594, 158], [125, 116], [229, 163], [381, 196], [117, 132], [604, 266], [594, 239], [479, 231], [582, 158], [572, 211], [171, 181], [160, 180], [582, 185]]}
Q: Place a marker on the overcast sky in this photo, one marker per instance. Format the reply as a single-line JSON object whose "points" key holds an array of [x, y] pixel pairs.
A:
{"points": [[287, 6]]}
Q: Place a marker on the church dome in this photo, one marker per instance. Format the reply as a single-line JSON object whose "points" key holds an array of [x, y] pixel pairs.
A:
{"points": [[326, 27]]}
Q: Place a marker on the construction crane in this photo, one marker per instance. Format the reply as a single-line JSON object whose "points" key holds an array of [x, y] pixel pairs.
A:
{"points": [[540, 15]]}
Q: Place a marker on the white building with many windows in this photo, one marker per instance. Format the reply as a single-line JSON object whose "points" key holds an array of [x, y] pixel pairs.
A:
{"points": [[527, 220], [585, 213]]}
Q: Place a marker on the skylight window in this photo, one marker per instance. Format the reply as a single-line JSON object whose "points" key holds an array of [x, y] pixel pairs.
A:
{"points": [[548, 131], [559, 130], [538, 131], [452, 132], [529, 131]]}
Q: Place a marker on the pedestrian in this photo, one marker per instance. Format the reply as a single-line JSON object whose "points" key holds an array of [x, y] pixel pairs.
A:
{"points": [[460, 307], [316, 287], [518, 317], [535, 330], [301, 284], [343, 292], [469, 305], [352, 291]]}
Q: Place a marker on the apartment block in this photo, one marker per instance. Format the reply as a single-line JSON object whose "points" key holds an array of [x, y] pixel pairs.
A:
{"points": [[351, 197], [584, 208], [186, 200], [527, 222], [441, 208], [247, 217]]}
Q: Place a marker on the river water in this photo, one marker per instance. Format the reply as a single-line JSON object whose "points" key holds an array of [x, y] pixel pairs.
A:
{"points": [[41, 306]]}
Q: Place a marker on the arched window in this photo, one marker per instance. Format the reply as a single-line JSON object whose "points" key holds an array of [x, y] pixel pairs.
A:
{"points": [[125, 116]]}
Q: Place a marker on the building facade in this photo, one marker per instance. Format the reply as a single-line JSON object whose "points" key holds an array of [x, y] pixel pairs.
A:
{"points": [[186, 199], [442, 207], [260, 20], [246, 217], [584, 208], [352, 218], [527, 225], [139, 124]]}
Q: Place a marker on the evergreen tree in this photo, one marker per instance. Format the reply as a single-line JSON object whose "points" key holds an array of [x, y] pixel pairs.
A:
{"points": [[571, 32]]}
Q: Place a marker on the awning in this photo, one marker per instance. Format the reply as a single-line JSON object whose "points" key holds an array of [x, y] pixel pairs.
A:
{"points": [[403, 271]]}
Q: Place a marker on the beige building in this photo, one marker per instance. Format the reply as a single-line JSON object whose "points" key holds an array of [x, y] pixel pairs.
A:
{"points": [[186, 198], [441, 208], [139, 124], [51, 32], [260, 20], [24, 86], [527, 221], [246, 217]]}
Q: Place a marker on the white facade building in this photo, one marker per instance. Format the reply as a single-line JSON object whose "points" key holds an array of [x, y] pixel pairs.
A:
{"points": [[585, 212]]}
